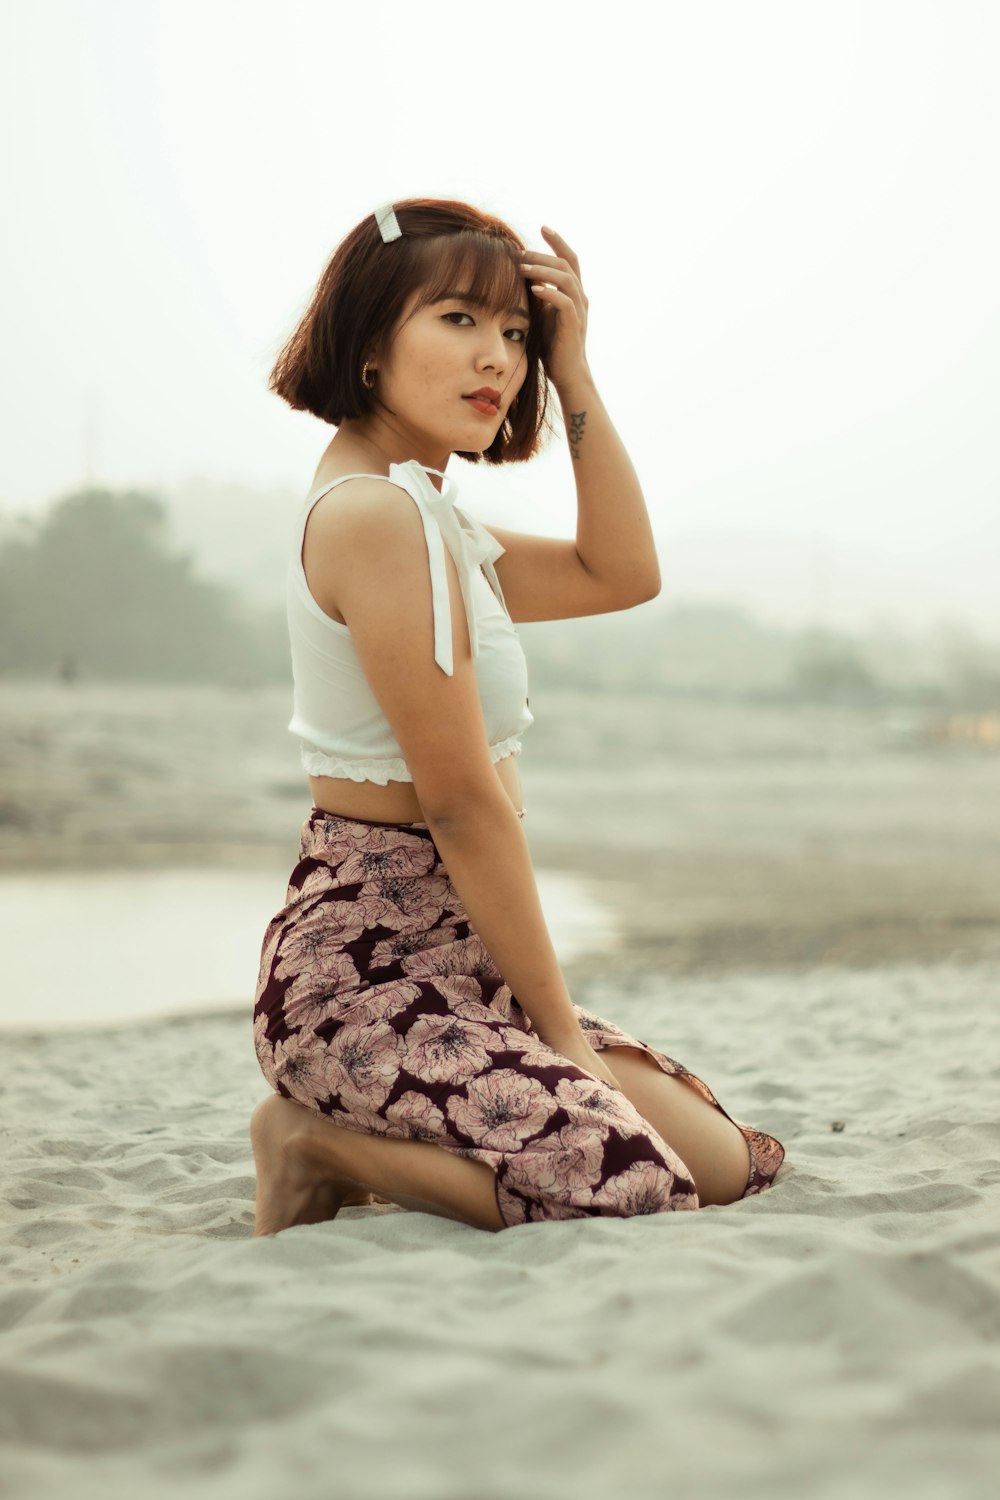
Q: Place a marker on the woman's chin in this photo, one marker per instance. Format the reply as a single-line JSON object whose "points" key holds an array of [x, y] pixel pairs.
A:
{"points": [[482, 436], [472, 442]]}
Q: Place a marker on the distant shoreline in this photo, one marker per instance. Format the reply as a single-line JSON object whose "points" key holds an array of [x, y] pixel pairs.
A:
{"points": [[723, 837]]}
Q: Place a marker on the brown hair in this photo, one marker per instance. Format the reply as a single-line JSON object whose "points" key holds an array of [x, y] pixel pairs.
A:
{"points": [[360, 298]]}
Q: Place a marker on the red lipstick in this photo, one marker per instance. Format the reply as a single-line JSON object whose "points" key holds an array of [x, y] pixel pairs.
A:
{"points": [[486, 400]]}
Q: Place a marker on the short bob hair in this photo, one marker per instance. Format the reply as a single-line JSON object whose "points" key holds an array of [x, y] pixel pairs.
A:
{"points": [[444, 246]]}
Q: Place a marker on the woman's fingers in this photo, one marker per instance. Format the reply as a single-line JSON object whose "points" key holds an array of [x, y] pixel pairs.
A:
{"points": [[561, 246], [565, 260], [553, 291], [536, 264], [564, 280], [555, 281], [541, 266]]}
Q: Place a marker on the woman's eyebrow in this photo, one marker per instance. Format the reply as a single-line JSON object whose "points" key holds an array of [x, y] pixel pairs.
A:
{"points": [[520, 312]]}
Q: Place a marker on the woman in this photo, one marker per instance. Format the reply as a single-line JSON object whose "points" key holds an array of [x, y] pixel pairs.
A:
{"points": [[410, 1015]]}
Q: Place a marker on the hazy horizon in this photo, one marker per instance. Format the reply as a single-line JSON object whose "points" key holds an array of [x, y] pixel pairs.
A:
{"points": [[239, 536], [786, 222]]}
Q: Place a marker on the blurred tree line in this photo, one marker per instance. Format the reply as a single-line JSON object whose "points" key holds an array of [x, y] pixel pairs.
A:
{"points": [[724, 651], [94, 588]]}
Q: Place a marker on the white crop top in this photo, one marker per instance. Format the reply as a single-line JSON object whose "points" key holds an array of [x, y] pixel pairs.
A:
{"points": [[342, 728]]}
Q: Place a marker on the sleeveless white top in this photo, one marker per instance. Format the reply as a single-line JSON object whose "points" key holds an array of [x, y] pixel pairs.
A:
{"points": [[336, 716]]}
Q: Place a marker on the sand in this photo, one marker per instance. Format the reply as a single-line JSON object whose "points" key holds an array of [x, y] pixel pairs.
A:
{"points": [[838, 1335], [809, 911]]}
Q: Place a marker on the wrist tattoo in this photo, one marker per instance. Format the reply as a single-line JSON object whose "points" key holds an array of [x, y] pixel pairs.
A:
{"points": [[576, 421]]}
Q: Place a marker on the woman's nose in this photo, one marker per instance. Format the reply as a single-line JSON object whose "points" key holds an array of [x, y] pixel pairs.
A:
{"points": [[496, 352]]}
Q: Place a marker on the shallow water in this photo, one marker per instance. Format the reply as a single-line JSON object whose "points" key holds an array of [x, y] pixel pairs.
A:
{"points": [[89, 949]]}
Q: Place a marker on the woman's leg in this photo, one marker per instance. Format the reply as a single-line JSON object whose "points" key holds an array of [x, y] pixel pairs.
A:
{"points": [[378, 1003], [308, 1168], [718, 1147], [711, 1145]]}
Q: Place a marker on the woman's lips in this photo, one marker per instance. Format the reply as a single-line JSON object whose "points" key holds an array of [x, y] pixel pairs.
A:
{"points": [[481, 404]]}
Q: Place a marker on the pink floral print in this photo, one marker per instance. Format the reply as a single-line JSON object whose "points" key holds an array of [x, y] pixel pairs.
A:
{"points": [[502, 1109], [366, 853], [301, 1064], [573, 1156], [575, 1093], [418, 1116], [400, 904], [312, 948], [314, 987], [378, 1005], [445, 1049], [364, 1063], [639, 1190]]}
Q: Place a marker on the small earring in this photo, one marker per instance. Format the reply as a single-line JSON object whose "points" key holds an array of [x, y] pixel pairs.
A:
{"points": [[369, 385]]}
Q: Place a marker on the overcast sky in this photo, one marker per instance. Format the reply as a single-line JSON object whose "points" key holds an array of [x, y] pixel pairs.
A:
{"points": [[786, 217]]}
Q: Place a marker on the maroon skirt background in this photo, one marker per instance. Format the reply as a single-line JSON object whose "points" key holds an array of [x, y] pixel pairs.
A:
{"points": [[378, 1005]]}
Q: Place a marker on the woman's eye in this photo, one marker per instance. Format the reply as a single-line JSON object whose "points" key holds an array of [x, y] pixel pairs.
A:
{"points": [[523, 332]]}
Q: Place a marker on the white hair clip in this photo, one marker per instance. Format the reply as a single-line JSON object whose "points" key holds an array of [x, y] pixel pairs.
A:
{"points": [[387, 222]]}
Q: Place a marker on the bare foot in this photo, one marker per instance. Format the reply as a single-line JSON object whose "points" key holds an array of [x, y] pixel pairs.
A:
{"points": [[290, 1189]]}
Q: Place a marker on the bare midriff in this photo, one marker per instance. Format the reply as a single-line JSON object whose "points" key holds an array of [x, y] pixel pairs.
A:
{"points": [[396, 802]]}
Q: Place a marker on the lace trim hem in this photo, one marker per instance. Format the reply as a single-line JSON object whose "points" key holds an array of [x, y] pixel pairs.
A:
{"points": [[389, 768]]}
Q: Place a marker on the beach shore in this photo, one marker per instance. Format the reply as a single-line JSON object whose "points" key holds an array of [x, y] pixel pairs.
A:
{"points": [[809, 924], [721, 836]]}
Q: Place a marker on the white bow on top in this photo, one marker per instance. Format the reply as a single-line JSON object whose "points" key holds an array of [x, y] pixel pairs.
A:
{"points": [[469, 543]]}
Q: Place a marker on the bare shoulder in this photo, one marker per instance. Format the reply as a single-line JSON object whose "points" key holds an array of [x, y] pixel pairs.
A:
{"points": [[351, 491], [370, 557], [344, 522]]}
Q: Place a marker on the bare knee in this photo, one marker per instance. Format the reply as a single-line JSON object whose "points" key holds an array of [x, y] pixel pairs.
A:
{"points": [[711, 1146]]}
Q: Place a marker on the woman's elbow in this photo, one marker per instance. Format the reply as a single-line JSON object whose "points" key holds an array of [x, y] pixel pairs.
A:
{"points": [[647, 589]]}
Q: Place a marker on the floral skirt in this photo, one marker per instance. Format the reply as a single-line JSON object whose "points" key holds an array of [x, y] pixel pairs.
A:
{"points": [[378, 1004]]}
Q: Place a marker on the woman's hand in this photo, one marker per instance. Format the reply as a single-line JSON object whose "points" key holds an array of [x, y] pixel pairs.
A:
{"points": [[564, 316], [575, 1046]]}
